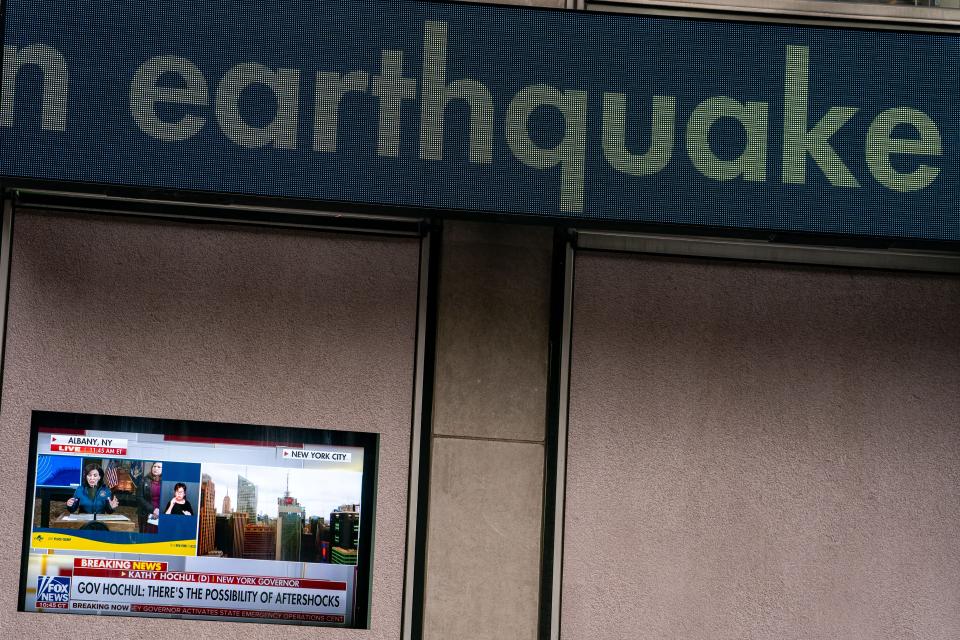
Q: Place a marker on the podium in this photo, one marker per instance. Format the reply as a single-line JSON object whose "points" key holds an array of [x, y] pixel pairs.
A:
{"points": [[112, 521]]}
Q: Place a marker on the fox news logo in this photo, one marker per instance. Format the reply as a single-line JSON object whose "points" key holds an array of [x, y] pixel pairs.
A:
{"points": [[53, 589]]}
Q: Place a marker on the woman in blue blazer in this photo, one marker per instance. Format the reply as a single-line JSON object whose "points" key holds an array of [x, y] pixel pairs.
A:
{"points": [[92, 496]]}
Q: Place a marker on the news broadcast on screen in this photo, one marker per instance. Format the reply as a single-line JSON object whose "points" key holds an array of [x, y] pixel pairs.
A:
{"points": [[171, 518]]}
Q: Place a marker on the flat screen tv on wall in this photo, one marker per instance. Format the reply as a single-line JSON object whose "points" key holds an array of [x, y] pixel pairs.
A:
{"points": [[185, 519]]}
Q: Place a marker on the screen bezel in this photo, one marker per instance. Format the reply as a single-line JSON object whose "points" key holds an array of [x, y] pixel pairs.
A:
{"points": [[257, 435]]}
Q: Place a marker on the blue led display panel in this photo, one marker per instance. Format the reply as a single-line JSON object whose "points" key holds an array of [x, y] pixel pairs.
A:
{"points": [[491, 110]]}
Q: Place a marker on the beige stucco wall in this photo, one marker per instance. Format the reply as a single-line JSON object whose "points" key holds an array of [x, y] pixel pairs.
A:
{"points": [[146, 318], [762, 451]]}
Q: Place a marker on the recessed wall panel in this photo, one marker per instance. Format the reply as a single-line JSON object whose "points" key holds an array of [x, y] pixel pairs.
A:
{"points": [[130, 317], [761, 451]]}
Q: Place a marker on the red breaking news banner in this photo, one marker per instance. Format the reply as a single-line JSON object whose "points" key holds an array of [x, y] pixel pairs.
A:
{"points": [[210, 578], [129, 565]]}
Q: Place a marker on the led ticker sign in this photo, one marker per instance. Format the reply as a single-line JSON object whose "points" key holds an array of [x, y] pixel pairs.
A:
{"points": [[491, 109]]}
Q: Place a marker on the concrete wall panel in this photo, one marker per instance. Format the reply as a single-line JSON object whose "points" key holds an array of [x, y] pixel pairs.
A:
{"points": [[483, 558], [486, 480], [762, 451], [493, 331], [146, 318]]}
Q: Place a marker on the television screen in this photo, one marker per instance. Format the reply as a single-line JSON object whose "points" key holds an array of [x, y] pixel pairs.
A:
{"points": [[172, 518]]}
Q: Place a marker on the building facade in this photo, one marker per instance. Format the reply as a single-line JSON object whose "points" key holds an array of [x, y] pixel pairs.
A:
{"points": [[716, 400], [208, 516], [289, 528], [247, 498]]}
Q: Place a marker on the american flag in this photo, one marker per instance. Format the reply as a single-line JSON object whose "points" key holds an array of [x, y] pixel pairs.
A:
{"points": [[110, 474]]}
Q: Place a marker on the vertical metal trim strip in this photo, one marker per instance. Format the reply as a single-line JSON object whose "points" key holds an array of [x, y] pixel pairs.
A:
{"points": [[554, 363], [561, 451], [416, 434], [421, 435], [6, 256], [6, 244]]}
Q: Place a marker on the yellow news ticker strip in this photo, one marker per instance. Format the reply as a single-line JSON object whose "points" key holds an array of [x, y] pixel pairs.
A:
{"points": [[76, 543]]}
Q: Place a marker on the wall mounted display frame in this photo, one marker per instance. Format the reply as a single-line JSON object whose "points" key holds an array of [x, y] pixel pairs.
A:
{"points": [[202, 520]]}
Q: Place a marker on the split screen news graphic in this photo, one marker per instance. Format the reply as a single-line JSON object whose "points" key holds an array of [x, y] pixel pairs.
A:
{"points": [[162, 518]]}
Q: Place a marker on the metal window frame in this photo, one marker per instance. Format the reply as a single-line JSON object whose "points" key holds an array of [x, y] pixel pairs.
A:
{"points": [[555, 449], [418, 494], [248, 212], [760, 251]]}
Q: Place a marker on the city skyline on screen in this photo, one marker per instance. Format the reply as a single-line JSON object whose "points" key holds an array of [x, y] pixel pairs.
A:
{"points": [[319, 491]]}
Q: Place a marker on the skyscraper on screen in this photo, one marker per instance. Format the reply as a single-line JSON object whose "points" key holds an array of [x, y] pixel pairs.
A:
{"points": [[344, 534], [290, 517], [247, 498], [208, 516]]}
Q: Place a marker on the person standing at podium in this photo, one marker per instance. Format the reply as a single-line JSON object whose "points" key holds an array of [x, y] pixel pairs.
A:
{"points": [[92, 496]]}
